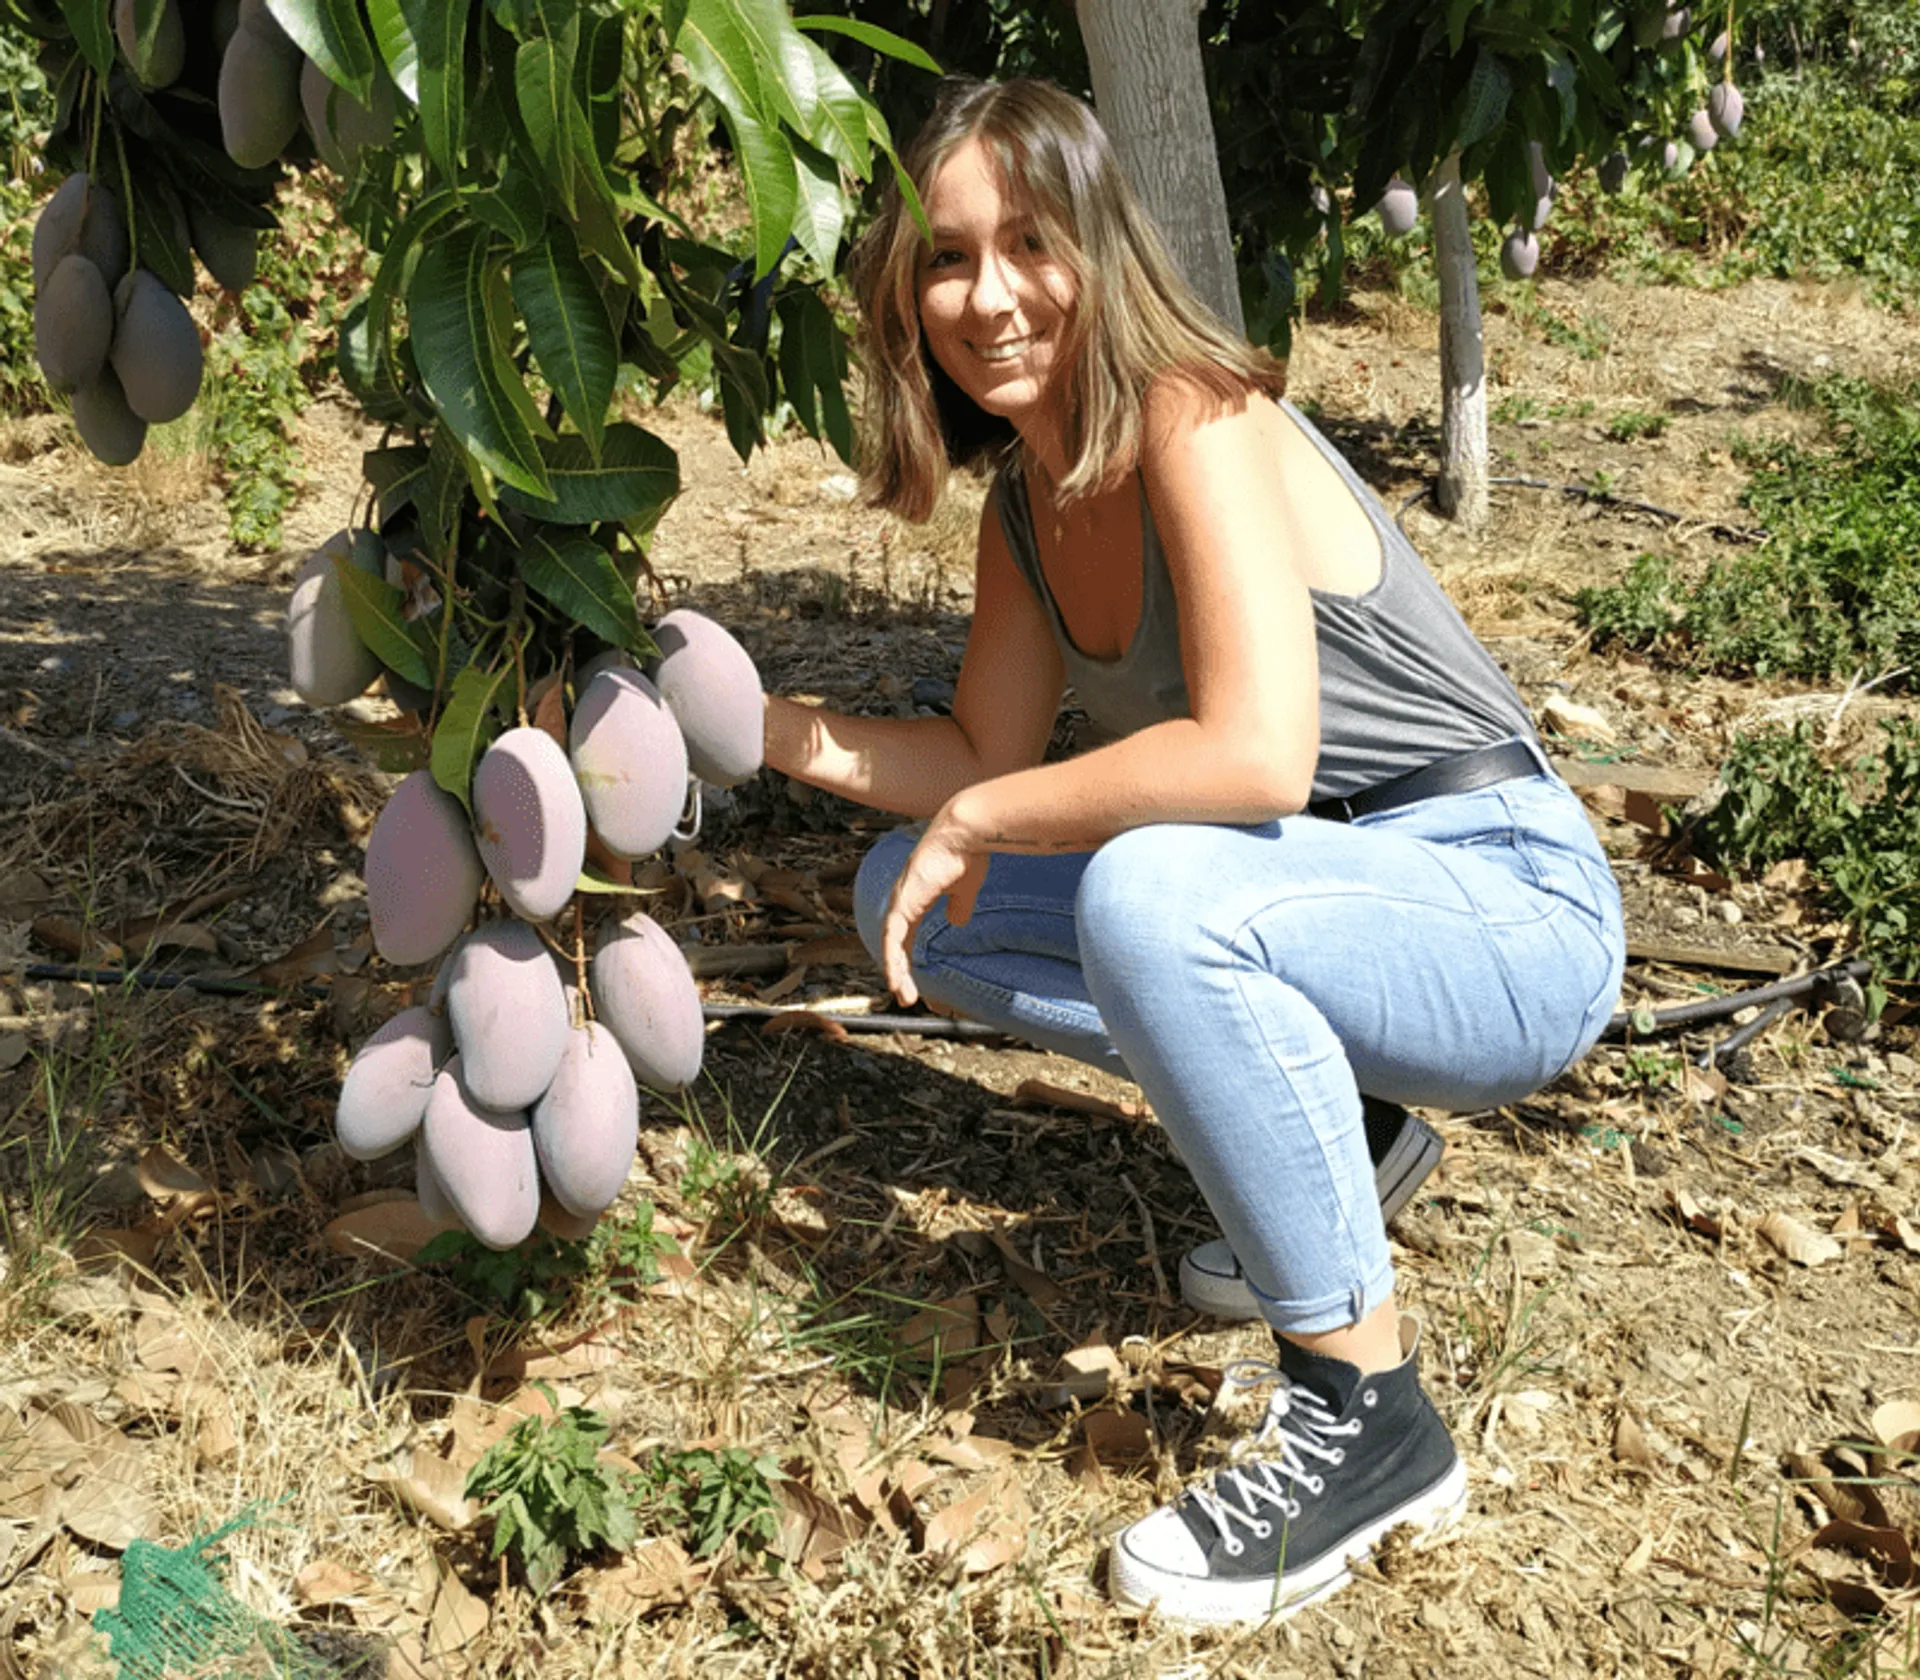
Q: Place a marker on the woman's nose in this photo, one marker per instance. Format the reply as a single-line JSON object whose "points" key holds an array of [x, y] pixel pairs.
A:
{"points": [[993, 292]]}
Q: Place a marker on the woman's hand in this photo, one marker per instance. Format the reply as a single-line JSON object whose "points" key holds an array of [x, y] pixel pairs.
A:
{"points": [[950, 859]]}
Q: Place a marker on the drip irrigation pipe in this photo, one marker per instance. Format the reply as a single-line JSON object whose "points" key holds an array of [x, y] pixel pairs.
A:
{"points": [[1719, 1008], [1666, 1020], [926, 1026], [1581, 492], [1741, 1037]]}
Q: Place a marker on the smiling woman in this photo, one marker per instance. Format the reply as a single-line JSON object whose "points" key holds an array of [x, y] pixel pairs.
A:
{"points": [[1321, 870]]}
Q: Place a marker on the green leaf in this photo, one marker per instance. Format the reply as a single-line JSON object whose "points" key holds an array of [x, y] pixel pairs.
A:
{"points": [[780, 54], [841, 129], [399, 51], [331, 34], [580, 578], [396, 745], [443, 494], [568, 329], [634, 475], [773, 188], [453, 343], [1488, 90], [398, 473], [592, 881], [92, 26], [878, 39], [819, 210], [369, 369], [439, 29], [375, 605], [719, 54], [160, 232], [466, 727], [543, 81]]}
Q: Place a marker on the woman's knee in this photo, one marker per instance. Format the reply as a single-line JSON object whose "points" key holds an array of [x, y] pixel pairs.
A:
{"points": [[873, 885], [1143, 896]]}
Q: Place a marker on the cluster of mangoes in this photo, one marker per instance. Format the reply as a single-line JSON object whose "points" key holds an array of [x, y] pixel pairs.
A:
{"points": [[509, 1079], [111, 331]]}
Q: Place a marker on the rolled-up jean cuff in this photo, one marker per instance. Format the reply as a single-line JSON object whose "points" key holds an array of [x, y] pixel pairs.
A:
{"points": [[1325, 1312]]}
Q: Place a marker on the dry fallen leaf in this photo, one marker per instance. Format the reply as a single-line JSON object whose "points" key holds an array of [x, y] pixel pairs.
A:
{"points": [[163, 1175], [814, 1530], [1043, 1093], [327, 1581], [1694, 1216], [1121, 1439], [944, 1329], [1800, 1244], [1890, 1551], [983, 1531], [1848, 1500], [394, 1228], [1575, 721], [1897, 1425], [1084, 1373], [430, 1485], [1630, 1443], [458, 1617], [655, 1574], [109, 1504]]}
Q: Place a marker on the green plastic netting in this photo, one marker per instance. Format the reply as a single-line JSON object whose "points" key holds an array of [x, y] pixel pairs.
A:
{"points": [[177, 1621]]}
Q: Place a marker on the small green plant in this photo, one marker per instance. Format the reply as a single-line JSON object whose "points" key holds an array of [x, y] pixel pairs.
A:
{"points": [[1854, 824], [550, 1497], [1650, 1069], [713, 1495], [1510, 411], [1639, 610], [538, 1279], [1634, 423], [728, 1182], [1601, 482]]}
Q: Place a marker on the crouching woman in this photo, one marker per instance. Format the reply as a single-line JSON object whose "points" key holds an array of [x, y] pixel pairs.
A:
{"points": [[1322, 854]]}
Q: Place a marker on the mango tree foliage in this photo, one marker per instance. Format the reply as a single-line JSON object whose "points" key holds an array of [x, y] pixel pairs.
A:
{"points": [[531, 284]]}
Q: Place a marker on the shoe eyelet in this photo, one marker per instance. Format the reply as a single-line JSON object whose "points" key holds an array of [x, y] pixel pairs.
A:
{"points": [[1339, 1455], [1264, 1530], [1235, 1547], [1369, 1398], [1318, 1485]]}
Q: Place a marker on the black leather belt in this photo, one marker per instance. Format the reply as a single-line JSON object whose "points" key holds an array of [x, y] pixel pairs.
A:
{"points": [[1462, 773]]}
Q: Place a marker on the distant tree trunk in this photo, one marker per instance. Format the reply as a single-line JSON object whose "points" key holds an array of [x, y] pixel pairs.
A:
{"points": [[1152, 98], [1462, 491]]}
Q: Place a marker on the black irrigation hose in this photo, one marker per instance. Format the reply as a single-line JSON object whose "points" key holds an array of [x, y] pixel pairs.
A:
{"points": [[1719, 1008], [1741, 1037], [1739, 533], [926, 1026]]}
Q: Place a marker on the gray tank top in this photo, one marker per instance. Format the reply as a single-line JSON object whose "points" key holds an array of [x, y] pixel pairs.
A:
{"points": [[1403, 681]]}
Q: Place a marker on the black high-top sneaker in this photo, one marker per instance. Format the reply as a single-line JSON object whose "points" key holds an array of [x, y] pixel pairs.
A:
{"points": [[1404, 1149], [1339, 1461]]}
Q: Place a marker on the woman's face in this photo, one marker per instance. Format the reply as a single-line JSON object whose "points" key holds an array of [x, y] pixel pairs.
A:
{"points": [[995, 304]]}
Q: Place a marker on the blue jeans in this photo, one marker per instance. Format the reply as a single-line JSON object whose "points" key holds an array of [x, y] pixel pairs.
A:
{"points": [[1457, 953]]}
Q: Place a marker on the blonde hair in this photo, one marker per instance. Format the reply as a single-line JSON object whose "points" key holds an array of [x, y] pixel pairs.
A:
{"points": [[1135, 318]]}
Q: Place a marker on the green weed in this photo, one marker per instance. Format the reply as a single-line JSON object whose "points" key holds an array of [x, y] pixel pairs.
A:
{"points": [[549, 1496], [1632, 423], [1854, 824], [713, 1496], [538, 1280], [1651, 1070]]}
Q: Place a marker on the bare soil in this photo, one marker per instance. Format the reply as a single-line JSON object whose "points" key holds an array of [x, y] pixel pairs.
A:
{"points": [[1627, 1358]]}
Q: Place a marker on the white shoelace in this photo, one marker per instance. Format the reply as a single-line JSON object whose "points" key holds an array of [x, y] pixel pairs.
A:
{"points": [[1267, 1478]]}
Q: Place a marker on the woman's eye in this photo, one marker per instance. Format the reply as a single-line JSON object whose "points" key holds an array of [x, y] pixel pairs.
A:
{"points": [[943, 259], [1035, 243]]}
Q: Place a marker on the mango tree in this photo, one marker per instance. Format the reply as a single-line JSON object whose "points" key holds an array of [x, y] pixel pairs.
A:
{"points": [[512, 167]]}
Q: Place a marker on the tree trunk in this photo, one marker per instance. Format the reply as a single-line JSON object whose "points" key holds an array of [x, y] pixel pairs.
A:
{"points": [[1152, 98], [1462, 490]]}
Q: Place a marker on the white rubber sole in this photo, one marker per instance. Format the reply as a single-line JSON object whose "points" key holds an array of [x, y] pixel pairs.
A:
{"points": [[1201, 1601]]}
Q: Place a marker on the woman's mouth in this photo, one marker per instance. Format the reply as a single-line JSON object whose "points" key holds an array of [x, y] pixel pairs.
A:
{"points": [[1005, 350]]}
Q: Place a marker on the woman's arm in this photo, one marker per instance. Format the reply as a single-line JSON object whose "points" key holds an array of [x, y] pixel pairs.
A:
{"points": [[1004, 705], [1218, 494], [1216, 485]]}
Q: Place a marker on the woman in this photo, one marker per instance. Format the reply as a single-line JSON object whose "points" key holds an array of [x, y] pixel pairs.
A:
{"points": [[1323, 854]]}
